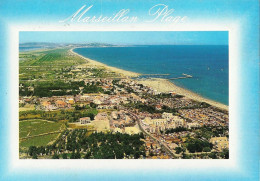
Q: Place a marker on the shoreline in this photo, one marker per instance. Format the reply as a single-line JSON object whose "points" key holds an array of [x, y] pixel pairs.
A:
{"points": [[113, 69], [166, 86], [159, 84]]}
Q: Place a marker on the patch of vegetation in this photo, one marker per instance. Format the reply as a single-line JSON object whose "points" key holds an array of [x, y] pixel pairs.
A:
{"points": [[70, 115], [95, 146], [197, 145], [211, 131], [36, 127], [176, 130], [39, 140]]}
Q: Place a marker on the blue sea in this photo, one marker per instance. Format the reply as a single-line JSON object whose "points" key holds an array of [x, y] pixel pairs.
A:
{"points": [[208, 64]]}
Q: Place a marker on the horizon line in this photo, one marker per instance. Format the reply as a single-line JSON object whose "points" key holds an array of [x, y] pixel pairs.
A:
{"points": [[113, 43]]}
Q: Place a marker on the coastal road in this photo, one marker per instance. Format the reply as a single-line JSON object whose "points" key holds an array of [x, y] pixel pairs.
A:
{"points": [[167, 149]]}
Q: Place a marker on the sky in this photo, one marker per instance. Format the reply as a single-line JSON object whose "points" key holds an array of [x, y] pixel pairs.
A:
{"points": [[128, 37]]}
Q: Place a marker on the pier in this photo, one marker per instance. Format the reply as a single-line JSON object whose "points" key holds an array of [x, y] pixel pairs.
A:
{"points": [[185, 76]]}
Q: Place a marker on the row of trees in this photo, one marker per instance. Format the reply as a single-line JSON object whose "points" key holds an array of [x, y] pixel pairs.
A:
{"points": [[95, 146], [72, 116], [59, 88], [175, 130]]}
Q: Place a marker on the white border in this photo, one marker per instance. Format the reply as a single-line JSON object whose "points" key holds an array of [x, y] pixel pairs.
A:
{"points": [[17, 164]]}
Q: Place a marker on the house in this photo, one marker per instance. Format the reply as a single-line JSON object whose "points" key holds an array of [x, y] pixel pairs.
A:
{"points": [[179, 122], [193, 125], [158, 122], [117, 130], [97, 101], [46, 103], [70, 101], [60, 104], [101, 116], [85, 120], [158, 107], [167, 116]]}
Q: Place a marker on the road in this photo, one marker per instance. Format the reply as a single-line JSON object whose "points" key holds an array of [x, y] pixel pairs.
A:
{"points": [[167, 149]]}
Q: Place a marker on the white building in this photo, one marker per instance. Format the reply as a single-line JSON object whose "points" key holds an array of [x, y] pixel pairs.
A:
{"points": [[85, 120]]}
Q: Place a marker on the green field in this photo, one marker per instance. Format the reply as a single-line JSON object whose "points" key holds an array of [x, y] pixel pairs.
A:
{"points": [[44, 65], [34, 127], [38, 141]]}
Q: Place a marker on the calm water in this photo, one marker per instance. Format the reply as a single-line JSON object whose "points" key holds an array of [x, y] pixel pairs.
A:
{"points": [[24, 49], [207, 64]]}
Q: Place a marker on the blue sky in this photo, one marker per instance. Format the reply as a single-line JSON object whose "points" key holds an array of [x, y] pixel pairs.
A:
{"points": [[135, 38]]}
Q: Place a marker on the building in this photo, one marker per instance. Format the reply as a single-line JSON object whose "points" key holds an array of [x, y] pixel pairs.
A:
{"points": [[101, 116], [193, 125], [167, 116], [60, 104], [85, 120], [179, 122]]}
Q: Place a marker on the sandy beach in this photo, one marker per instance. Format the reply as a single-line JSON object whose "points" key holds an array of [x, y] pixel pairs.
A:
{"points": [[164, 85], [122, 72], [161, 85]]}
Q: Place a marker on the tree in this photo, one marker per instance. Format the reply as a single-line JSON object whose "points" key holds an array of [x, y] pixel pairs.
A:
{"points": [[32, 150], [191, 147], [64, 156], [178, 150], [213, 155], [226, 153], [34, 156], [151, 154], [72, 156], [206, 149], [55, 156], [77, 155], [91, 115], [93, 105], [87, 156]]}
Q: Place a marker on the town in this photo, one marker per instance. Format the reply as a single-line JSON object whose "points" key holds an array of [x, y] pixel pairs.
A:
{"points": [[103, 114]]}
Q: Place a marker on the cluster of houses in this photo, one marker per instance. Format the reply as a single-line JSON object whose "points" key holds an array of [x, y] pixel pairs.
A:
{"points": [[56, 102], [176, 103], [205, 116], [167, 121], [124, 91], [117, 121], [158, 126]]}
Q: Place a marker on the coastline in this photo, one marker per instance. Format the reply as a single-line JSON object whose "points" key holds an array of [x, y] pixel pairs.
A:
{"points": [[164, 85], [159, 84], [102, 65]]}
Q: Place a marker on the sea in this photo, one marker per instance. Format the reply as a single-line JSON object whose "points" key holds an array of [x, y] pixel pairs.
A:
{"points": [[28, 48], [207, 64]]}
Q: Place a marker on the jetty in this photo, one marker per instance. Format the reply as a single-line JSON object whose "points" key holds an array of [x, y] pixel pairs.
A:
{"points": [[185, 76]]}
